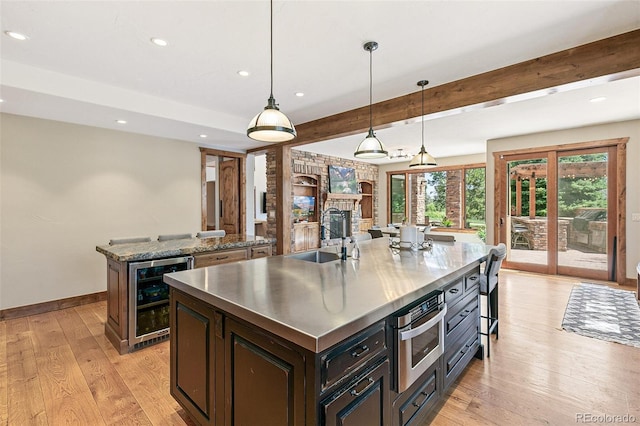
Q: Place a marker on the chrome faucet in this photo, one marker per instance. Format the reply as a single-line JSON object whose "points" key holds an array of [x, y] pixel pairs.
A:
{"points": [[344, 229]]}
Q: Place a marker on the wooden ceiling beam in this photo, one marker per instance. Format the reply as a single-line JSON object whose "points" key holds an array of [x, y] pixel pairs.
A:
{"points": [[610, 58]]}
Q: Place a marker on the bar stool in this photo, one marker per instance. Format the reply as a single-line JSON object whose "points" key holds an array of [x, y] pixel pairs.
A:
{"points": [[489, 288]]}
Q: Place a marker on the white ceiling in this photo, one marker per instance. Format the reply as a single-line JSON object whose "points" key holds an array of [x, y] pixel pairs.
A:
{"points": [[91, 62]]}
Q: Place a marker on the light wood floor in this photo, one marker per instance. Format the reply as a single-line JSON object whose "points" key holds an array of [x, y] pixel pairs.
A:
{"points": [[58, 368]]}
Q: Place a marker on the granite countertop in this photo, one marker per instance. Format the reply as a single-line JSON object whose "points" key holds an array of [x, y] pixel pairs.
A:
{"points": [[317, 305], [158, 249]]}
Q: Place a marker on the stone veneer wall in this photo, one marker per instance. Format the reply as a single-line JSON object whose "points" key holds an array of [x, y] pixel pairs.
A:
{"points": [[417, 193], [318, 164], [452, 201]]}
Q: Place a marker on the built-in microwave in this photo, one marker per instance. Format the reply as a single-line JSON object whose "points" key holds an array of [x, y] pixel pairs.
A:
{"points": [[419, 338]]}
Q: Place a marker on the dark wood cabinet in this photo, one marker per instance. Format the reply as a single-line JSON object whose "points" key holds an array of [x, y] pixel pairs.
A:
{"points": [[462, 325], [265, 379], [412, 406], [197, 358], [365, 401], [117, 326], [225, 371]]}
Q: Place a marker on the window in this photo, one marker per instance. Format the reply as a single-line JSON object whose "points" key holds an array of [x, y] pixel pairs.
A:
{"points": [[443, 196]]}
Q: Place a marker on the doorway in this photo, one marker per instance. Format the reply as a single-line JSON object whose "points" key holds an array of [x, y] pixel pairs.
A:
{"points": [[558, 210], [223, 194]]}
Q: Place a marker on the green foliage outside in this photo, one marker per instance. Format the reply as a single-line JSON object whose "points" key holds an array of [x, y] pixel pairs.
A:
{"points": [[475, 193], [436, 195], [573, 192], [398, 201]]}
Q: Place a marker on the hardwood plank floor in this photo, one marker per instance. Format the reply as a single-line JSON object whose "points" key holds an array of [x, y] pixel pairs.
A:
{"points": [[59, 368]]}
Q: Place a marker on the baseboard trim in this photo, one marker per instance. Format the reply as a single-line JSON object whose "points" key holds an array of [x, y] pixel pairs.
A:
{"points": [[53, 305]]}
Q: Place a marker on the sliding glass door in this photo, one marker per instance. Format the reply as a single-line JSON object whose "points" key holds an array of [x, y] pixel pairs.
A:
{"points": [[558, 211], [584, 246]]}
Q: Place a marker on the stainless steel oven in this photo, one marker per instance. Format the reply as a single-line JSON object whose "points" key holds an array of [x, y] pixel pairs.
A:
{"points": [[419, 338], [149, 299]]}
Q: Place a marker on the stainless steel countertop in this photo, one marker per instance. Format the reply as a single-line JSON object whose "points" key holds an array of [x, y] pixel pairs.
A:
{"points": [[158, 249], [318, 305]]}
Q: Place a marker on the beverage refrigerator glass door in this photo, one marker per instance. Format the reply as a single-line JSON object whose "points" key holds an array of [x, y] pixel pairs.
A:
{"points": [[419, 338], [149, 297]]}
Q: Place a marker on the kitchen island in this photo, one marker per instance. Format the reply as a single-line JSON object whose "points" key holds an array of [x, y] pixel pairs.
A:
{"points": [[137, 316], [281, 340]]}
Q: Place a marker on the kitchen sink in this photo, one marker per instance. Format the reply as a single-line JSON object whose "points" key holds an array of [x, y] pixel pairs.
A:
{"points": [[316, 256]]}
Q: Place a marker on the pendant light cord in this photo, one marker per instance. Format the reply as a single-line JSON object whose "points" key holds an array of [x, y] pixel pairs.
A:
{"points": [[370, 88], [423, 118], [271, 33]]}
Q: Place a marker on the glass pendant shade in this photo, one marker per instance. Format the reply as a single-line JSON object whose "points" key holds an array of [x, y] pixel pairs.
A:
{"points": [[271, 125], [422, 159], [370, 147]]}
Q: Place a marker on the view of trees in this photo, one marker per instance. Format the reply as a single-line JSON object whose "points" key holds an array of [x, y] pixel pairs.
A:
{"points": [[573, 191], [576, 192]]}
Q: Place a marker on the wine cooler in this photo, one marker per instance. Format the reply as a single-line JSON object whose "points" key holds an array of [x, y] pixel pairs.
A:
{"points": [[149, 299]]}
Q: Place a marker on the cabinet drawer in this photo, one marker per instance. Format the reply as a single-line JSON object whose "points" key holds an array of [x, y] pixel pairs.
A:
{"points": [[219, 257], [350, 356], [364, 402], [458, 356], [454, 292], [260, 251], [471, 281], [465, 311], [424, 397]]}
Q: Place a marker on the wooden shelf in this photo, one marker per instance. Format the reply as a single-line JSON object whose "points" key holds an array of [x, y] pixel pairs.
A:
{"points": [[333, 196]]}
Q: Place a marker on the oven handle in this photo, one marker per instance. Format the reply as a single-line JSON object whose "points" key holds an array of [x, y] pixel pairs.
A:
{"points": [[409, 334]]}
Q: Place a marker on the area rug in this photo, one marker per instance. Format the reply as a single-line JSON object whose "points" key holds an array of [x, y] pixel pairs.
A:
{"points": [[603, 313]]}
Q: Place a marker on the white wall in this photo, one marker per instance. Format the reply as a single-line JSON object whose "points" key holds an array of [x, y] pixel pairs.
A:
{"points": [[66, 188], [382, 177], [629, 129], [260, 182]]}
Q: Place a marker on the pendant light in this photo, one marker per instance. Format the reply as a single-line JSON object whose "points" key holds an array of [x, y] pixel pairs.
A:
{"points": [[423, 158], [370, 147], [271, 125]]}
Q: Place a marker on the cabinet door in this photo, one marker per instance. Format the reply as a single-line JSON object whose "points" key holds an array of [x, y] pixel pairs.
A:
{"points": [[265, 379], [196, 379], [299, 237], [313, 236], [116, 327], [365, 402]]}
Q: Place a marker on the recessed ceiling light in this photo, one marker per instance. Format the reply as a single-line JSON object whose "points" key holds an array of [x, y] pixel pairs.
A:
{"points": [[1, 101], [121, 121], [299, 94], [16, 35], [243, 73], [158, 42], [599, 99], [203, 136]]}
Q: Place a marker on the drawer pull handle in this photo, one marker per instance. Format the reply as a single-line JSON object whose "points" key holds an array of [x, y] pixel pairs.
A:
{"points": [[465, 313], [473, 278], [222, 257], [362, 350], [367, 384], [418, 405], [454, 290]]}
